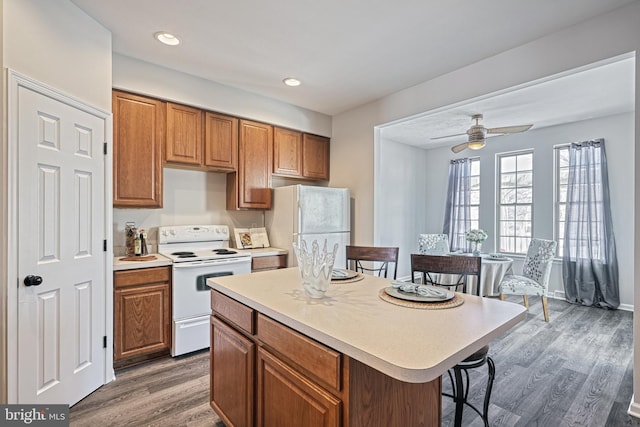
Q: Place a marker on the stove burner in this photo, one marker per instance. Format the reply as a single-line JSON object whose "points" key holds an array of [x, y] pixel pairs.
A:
{"points": [[178, 254], [224, 252], [187, 256]]}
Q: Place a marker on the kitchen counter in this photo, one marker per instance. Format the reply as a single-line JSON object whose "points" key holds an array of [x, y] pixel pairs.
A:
{"points": [[130, 265], [260, 252], [410, 345]]}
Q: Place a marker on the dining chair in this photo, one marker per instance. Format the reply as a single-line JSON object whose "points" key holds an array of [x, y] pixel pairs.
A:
{"points": [[432, 267], [372, 255], [535, 275], [433, 244], [463, 266]]}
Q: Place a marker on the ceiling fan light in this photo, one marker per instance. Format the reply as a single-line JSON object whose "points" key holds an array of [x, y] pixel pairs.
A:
{"points": [[476, 145]]}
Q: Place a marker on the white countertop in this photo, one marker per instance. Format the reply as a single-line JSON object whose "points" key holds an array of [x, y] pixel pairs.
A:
{"points": [[259, 252], [412, 345], [160, 261]]}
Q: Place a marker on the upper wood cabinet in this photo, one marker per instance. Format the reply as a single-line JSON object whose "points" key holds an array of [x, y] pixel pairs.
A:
{"points": [[184, 135], [250, 186], [315, 157], [300, 155], [220, 141], [138, 129], [287, 152]]}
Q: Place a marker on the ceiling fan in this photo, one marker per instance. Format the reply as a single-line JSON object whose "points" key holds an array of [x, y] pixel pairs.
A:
{"points": [[477, 134]]}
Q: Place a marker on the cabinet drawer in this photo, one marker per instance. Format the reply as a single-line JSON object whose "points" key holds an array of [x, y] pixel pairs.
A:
{"points": [[141, 276], [319, 360], [238, 313], [268, 262]]}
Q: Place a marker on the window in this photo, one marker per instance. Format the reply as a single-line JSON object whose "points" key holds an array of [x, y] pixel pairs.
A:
{"points": [[474, 193], [515, 195], [561, 180]]}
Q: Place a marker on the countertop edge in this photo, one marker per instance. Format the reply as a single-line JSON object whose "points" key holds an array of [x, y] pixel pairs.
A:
{"points": [[160, 261], [400, 373]]}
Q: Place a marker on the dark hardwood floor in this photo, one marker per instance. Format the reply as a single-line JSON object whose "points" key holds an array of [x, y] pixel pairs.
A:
{"points": [[574, 371]]}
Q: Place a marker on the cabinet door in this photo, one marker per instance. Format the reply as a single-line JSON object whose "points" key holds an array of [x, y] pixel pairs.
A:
{"points": [[138, 124], [315, 157], [184, 135], [142, 320], [255, 147], [287, 152], [286, 398], [221, 141], [232, 375]]}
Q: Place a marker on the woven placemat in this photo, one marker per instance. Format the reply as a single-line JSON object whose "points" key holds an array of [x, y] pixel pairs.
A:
{"points": [[454, 302], [358, 277]]}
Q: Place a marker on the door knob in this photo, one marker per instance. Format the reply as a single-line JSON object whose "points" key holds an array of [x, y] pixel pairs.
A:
{"points": [[31, 280]]}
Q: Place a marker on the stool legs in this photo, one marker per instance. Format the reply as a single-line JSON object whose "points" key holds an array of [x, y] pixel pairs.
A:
{"points": [[461, 392]]}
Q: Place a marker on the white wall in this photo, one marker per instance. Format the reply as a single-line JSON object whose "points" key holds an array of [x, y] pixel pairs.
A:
{"points": [[401, 199], [618, 132], [148, 79], [597, 39], [57, 44]]}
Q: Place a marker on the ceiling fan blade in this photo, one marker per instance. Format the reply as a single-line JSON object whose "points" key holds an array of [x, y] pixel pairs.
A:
{"points": [[448, 136], [510, 129], [458, 148]]}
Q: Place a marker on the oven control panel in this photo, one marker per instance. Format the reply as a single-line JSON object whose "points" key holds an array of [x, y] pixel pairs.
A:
{"points": [[192, 233]]}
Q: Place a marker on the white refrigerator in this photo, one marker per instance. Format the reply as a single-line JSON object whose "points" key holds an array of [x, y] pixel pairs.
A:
{"points": [[303, 212]]}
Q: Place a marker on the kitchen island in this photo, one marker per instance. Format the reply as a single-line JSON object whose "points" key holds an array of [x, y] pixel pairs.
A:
{"points": [[350, 358]]}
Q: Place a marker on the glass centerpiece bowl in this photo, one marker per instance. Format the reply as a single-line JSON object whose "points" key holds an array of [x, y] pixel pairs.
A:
{"points": [[315, 266]]}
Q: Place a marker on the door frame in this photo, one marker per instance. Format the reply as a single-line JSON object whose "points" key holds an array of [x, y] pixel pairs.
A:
{"points": [[9, 211]]}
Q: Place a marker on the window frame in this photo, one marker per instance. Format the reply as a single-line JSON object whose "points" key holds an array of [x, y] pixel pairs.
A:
{"points": [[499, 205], [557, 203]]}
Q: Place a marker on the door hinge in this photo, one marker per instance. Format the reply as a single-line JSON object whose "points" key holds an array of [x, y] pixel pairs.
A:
{"points": [[105, 148], [104, 341], [104, 245]]}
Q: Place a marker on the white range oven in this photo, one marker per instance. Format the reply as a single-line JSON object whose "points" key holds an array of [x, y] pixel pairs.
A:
{"points": [[197, 252]]}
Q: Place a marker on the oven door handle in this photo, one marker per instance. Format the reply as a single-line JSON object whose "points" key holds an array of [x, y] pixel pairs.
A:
{"points": [[196, 264]]}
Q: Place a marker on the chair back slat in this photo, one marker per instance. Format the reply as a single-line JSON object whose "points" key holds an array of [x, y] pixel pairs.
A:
{"points": [[446, 264], [384, 255]]}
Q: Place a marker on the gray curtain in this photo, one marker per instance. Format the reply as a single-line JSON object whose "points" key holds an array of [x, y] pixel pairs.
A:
{"points": [[589, 265], [457, 214]]}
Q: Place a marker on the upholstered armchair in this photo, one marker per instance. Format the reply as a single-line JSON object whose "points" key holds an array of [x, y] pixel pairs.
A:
{"points": [[535, 274]]}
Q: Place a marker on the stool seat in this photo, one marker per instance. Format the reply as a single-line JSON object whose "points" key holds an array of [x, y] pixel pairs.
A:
{"points": [[461, 390]]}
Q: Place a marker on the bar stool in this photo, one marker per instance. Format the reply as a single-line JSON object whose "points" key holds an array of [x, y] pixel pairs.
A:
{"points": [[461, 388]]}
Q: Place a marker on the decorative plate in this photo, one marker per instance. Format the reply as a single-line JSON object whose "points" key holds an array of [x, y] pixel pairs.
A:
{"points": [[410, 296], [342, 274]]}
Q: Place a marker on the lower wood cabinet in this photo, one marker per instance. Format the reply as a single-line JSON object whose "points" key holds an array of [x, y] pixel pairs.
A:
{"points": [[270, 262], [142, 314], [307, 404]]}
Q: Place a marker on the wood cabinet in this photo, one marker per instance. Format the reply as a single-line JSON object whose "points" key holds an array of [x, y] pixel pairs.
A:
{"points": [[252, 375], [138, 131], [184, 135], [250, 186], [220, 142], [270, 262], [142, 314], [287, 152], [315, 155], [232, 374], [300, 155]]}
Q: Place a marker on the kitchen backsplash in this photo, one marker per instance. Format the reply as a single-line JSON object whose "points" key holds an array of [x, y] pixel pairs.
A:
{"points": [[190, 197]]}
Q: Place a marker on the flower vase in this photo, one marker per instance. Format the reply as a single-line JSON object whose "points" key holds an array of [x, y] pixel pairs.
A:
{"points": [[475, 248]]}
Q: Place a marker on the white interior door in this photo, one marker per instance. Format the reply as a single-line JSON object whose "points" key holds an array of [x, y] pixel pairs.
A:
{"points": [[61, 321]]}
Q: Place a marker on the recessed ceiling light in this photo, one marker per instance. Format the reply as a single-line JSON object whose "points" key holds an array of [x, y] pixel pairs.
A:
{"points": [[291, 81], [167, 38]]}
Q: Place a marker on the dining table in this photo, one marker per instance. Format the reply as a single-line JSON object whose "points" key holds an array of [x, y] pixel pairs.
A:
{"points": [[493, 269]]}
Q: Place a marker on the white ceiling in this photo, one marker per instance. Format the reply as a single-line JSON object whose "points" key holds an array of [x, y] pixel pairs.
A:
{"points": [[346, 53], [598, 91]]}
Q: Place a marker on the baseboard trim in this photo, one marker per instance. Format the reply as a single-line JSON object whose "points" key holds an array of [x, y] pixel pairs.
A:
{"points": [[634, 408], [561, 295]]}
